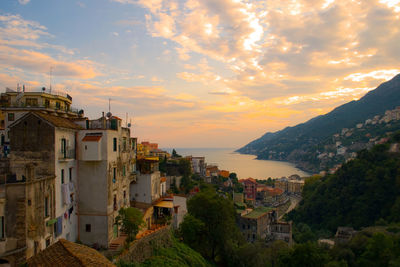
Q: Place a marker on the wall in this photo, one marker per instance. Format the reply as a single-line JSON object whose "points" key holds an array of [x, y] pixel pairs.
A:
{"points": [[142, 249], [69, 224]]}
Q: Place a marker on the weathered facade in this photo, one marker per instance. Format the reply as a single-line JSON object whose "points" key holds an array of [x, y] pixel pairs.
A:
{"points": [[32, 184], [106, 168]]}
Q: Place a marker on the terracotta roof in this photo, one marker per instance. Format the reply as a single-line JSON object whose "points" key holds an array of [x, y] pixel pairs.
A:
{"points": [[163, 179], [66, 253], [115, 117], [58, 121], [252, 180], [91, 138]]}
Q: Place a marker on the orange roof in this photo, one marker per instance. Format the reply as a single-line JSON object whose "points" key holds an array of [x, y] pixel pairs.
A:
{"points": [[163, 179], [91, 138], [115, 117], [252, 180]]}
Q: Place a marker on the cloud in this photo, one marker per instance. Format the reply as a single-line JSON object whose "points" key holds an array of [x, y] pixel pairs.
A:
{"points": [[40, 63], [23, 2]]}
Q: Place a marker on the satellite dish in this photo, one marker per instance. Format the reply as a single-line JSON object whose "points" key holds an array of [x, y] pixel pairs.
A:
{"points": [[109, 114]]}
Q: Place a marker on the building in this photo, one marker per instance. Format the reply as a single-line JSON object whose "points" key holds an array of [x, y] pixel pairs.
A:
{"points": [[65, 253], [281, 183], [107, 168], [39, 179], [146, 189], [278, 230], [269, 195], [254, 224], [224, 173], [295, 186], [16, 103], [249, 189]]}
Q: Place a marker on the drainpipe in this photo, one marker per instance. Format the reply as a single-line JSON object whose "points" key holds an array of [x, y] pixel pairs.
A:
{"points": [[77, 181]]}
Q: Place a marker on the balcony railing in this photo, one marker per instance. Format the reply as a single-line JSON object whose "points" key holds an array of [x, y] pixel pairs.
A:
{"points": [[40, 106], [66, 154]]}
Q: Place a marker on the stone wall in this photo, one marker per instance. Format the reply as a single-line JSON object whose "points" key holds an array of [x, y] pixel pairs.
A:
{"points": [[142, 249]]}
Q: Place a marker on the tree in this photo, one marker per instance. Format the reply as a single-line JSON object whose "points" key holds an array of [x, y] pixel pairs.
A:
{"points": [[130, 219], [174, 154], [218, 216]]}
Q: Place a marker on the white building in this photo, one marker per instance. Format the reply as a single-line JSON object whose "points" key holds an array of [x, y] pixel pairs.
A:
{"points": [[106, 169]]}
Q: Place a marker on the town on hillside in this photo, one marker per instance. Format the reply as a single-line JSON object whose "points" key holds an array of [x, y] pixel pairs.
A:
{"points": [[67, 178]]}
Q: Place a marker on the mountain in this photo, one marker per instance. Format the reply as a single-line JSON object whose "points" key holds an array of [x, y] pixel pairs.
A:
{"points": [[358, 194], [290, 143]]}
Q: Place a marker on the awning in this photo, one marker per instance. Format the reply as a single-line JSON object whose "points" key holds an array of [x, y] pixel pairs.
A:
{"points": [[51, 222], [165, 204]]}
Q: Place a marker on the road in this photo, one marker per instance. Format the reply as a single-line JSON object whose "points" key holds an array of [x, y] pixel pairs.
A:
{"points": [[293, 203]]}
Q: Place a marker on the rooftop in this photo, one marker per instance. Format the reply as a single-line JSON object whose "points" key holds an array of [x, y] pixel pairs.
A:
{"points": [[258, 212], [66, 253]]}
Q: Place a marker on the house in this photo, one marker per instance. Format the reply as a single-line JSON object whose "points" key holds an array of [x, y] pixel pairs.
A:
{"points": [[278, 230], [249, 189], [254, 223], [146, 188], [269, 195], [224, 173], [344, 234], [39, 179], [295, 186], [199, 165], [66, 253], [16, 103], [282, 183], [107, 168]]}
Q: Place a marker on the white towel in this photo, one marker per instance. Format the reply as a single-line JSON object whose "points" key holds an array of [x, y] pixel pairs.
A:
{"points": [[71, 187], [66, 194]]}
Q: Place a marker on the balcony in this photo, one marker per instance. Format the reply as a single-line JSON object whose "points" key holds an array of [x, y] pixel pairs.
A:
{"points": [[132, 176], [66, 155]]}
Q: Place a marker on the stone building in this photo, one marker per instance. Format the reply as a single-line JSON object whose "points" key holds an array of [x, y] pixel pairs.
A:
{"points": [[36, 208], [254, 224]]}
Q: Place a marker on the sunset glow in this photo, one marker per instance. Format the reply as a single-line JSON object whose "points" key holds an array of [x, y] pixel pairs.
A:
{"points": [[202, 73]]}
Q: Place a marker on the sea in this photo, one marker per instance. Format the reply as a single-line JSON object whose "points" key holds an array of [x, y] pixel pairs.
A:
{"points": [[243, 165]]}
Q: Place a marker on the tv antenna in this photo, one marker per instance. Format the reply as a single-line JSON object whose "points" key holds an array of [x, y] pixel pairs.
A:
{"points": [[51, 74], [109, 114]]}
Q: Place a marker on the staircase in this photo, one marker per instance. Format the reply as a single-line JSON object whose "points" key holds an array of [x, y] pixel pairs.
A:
{"points": [[118, 243]]}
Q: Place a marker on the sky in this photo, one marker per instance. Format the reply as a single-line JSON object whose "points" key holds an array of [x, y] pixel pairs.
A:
{"points": [[201, 73]]}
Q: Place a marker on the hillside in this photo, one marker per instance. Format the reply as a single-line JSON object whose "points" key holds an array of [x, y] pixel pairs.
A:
{"points": [[358, 194], [280, 145]]}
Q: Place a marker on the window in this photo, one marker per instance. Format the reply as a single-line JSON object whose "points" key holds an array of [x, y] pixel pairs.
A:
{"points": [[115, 202], [70, 174], [124, 144], [2, 227], [115, 144], [11, 117], [31, 102], [47, 103], [62, 176], [114, 175], [46, 207], [58, 105], [123, 170], [47, 242], [88, 228]]}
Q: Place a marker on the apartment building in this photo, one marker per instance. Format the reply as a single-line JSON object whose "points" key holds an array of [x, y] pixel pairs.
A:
{"points": [[107, 164]]}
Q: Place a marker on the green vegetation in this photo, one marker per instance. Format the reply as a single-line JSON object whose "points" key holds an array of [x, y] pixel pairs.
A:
{"points": [[210, 224], [131, 219], [177, 254], [360, 193]]}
